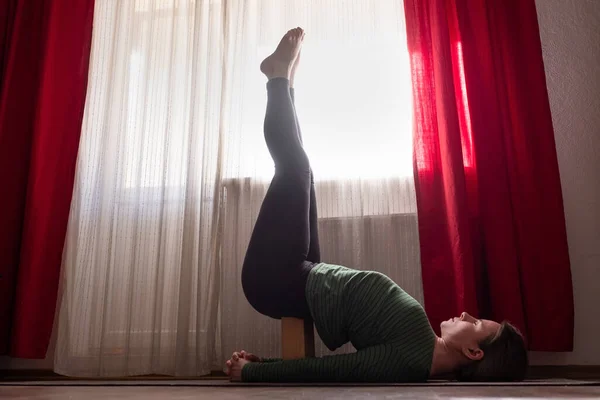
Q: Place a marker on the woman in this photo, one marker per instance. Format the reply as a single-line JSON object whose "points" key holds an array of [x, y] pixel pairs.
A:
{"points": [[283, 276]]}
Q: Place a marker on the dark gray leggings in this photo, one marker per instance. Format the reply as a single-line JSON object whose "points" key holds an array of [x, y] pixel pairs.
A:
{"points": [[284, 245]]}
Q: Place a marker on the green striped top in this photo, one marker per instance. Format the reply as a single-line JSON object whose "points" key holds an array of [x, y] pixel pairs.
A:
{"points": [[389, 329]]}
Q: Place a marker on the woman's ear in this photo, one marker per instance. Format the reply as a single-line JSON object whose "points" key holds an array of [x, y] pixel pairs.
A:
{"points": [[471, 353]]}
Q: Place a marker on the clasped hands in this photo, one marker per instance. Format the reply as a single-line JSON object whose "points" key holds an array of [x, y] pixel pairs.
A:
{"points": [[236, 363]]}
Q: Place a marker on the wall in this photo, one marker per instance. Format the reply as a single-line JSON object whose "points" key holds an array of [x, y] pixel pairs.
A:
{"points": [[570, 33]]}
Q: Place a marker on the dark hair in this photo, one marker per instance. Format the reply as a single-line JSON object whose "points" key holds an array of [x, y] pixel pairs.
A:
{"points": [[504, 358]]}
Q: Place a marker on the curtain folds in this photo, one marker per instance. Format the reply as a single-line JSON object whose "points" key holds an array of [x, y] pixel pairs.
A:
{"points": [[173, 167], [44, 53], [491, 221]]}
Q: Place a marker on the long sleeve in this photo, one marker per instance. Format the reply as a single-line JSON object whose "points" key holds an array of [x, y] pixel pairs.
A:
{"points": [[270, 360], [373, 364]]}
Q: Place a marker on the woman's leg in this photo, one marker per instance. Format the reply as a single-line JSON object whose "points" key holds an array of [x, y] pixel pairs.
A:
{"points": [[314, 251], [276, 266]]}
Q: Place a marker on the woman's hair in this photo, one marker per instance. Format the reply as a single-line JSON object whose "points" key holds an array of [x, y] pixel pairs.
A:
{"points": [[504, 358]]}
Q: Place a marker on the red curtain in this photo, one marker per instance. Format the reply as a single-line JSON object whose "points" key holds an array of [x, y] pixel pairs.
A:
{"points": [[491, 219], [44, 54]]}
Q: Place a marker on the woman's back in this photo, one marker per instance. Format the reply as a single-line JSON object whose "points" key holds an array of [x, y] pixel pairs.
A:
{"points": [[367, 309]]}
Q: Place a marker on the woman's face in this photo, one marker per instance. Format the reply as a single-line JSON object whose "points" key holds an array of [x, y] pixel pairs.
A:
{"points": [[465, 332]]}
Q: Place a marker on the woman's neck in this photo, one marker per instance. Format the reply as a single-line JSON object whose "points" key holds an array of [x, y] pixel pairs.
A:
{"points": [[445, 359]]}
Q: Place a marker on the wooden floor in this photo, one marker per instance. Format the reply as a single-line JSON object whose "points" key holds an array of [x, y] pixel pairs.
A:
{"points": [[200, 393]]}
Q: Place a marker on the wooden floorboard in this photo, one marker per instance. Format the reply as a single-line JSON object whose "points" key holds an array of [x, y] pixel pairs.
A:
{"points": [[226, 393], [591, 372]]}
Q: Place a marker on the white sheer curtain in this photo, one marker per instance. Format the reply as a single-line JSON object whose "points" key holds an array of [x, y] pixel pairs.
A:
{"points": [[173, 167]]}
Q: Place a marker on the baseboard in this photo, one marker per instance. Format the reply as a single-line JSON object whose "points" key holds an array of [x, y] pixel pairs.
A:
{"points": [[579, 372], [45, 374], [576, 372]]}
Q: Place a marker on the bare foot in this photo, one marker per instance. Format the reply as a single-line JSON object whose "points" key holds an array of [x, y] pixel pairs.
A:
{"points": [[294, 67], [279, 64]]}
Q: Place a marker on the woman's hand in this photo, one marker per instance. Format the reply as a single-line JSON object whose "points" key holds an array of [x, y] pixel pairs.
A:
{"points": [[249, 356], [234, 369], [237, 362]]}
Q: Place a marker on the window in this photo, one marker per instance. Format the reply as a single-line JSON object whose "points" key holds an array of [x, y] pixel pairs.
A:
{"points": [[353, 90]]}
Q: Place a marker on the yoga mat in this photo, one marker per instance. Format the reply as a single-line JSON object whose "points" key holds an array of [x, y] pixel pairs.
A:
{"points": [[226, 383]]}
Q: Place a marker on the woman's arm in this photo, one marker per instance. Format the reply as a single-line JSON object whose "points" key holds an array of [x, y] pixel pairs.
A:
{"points": [[373, 364]]}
